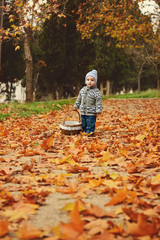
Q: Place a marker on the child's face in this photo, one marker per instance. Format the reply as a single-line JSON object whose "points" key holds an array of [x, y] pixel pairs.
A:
{"points": [[90, 81]]}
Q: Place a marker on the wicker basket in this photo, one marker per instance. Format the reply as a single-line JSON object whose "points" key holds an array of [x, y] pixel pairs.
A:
{"points": [[71, 127]]}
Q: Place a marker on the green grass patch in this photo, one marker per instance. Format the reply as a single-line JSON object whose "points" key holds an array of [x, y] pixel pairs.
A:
{"points": [[3, 106], [4, 116], [144, 94], [24, 110]]}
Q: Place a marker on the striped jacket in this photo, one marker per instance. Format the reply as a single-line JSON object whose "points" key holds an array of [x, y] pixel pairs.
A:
{"points": [[89, 101]]}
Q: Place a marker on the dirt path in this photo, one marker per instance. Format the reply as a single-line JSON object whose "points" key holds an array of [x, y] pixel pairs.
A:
{"points": [[117, 167]]}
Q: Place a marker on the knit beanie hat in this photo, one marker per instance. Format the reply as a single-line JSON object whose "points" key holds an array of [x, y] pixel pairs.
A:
{"points": [[92, 73]]}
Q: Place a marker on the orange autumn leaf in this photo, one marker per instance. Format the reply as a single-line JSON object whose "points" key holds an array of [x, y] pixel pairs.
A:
{"points": [[3, 226], [5, 238], [82, 191], [27, 231], [2, 159], [156, 189], [70, 189], [77, 169], [116, 229], [76, 218], [70, 206], [131, 195], [97, 212], [120, 197], [103, 236], [51, 238], [155, 180], [3, 152], [94, 147], [123, 194], [132, 214], [20, 210], [47, 143], [142, 227], [106, 156], [74, 229], [31, 153], [68, 231], [95, 182]]}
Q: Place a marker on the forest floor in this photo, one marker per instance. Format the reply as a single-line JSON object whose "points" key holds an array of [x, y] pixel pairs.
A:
{"points": [[107, 186]]}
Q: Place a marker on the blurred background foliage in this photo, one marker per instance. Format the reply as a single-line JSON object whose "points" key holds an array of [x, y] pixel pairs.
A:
{"points": [[62, 58]]}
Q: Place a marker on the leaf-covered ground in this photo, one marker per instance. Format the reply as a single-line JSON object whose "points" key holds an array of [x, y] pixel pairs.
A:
{"points": [[55, 186]]}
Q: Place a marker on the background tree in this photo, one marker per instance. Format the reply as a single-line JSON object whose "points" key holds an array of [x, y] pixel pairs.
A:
{"points": [[140, 59], [60, 58], [1, 26], [28, 17], [147, 54], [123, 75], [12, 64], [122, 21], [66, 55], [112, 63], [154, 58]]}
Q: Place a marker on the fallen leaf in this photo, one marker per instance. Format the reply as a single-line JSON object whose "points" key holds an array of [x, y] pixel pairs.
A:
{"points": [[70, 206], [74, 229], [4, 224], [47, 143], [155, 180], [104, 236], [97, 212], [27, 231], [142, 227], [120, 196]]}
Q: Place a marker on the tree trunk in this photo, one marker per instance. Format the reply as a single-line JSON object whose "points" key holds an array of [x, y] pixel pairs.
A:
{"points": [[157, 77], [158, 84], [54, 93], [35, 85], [60, 92], [1, 25], [139, 77], [101, 88], [107, 89], [29, 65], [77, 87], [108, 86], [139, 84]]}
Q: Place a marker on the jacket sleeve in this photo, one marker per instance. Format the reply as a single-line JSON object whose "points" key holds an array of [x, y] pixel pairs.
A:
{"points": [[99, 102], [78, 101]]}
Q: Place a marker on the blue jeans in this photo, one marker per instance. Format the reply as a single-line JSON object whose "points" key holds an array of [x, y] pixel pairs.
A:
{"points": [[88, 123]]}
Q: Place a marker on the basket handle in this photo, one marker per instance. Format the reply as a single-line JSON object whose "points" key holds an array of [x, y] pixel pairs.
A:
{"points": [[72, 110]]}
